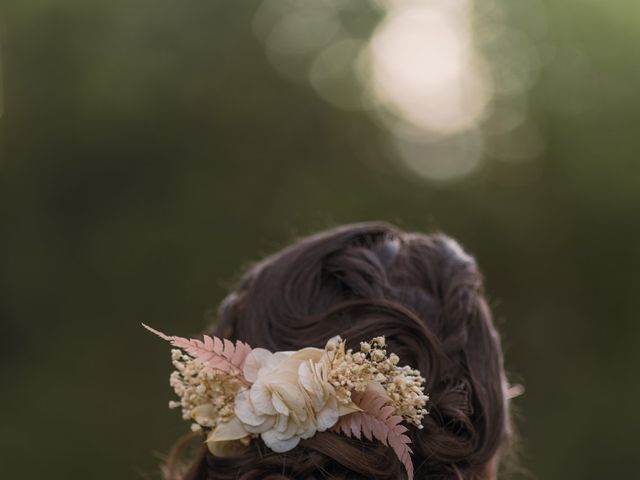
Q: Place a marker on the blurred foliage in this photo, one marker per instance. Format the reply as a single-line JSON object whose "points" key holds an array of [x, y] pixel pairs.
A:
{"points": [[149, 151]]}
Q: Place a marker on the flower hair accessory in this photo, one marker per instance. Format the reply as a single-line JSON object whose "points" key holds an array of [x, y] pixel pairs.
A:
{"points": [[236, 393]]}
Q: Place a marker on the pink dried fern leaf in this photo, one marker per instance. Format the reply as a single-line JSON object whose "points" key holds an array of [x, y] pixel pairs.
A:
{"points": [[213, 352], [377, 421]]}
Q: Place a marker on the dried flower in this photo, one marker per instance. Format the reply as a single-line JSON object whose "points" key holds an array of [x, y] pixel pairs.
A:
{"points": [[235, 393], [197, 387], [370, 368], [290, 397]]}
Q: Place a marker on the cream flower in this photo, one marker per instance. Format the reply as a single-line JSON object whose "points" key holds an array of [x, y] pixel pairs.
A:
{"points": [[290, 398]]}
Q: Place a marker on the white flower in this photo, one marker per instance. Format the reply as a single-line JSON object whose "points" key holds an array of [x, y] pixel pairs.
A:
{"points": [[291, 397]]}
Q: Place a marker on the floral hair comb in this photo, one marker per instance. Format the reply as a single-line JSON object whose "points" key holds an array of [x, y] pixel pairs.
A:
{"points": [[235, 393]]}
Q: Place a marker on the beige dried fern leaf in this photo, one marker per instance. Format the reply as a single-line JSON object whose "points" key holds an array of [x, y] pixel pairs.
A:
{"points": [[377, 421], [213, 352]]}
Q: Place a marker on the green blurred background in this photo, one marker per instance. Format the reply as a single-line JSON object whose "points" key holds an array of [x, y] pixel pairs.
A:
{"points": [[150, 150]]}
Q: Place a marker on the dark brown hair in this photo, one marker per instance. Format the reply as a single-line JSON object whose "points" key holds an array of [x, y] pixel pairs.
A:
{"points": [[423, 293]]}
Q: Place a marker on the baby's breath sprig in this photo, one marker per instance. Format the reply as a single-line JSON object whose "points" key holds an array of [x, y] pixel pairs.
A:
{"points": [[355, 371], [197, 386]]}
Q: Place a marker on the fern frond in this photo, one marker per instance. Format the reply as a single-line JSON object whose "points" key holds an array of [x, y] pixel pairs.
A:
{"points": [[377, 421], [212, 352]]}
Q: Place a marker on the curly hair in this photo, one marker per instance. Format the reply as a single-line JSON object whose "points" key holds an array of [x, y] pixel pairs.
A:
{"points": [[424, 294]]}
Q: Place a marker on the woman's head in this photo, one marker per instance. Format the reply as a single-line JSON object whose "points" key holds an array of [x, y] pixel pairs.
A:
{"points": [[423, 293]]}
